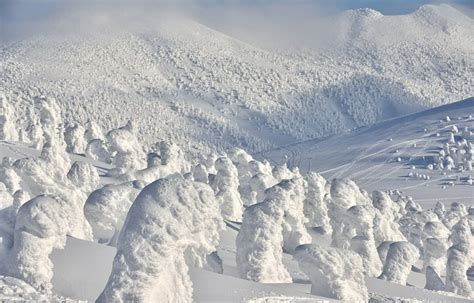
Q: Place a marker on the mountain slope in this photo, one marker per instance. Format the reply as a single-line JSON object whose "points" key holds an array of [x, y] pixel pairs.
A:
{"points": [[394, 154], [183, 81]]}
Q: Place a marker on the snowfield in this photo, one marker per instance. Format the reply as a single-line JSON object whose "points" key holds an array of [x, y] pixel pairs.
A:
{"points": [[169, 162]]}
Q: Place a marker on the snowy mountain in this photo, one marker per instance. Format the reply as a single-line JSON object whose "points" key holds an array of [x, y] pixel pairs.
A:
{"points": [[182, 81]]}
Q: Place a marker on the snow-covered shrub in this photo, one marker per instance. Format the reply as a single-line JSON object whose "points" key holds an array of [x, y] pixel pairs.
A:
{"points": [[400, 258], [172, 222], [226, 184], [41, 225], [74, 138], [8, 130], [334, 273], [124, 144], [106, 208], [316, 202], [259, 243], [359, 222]]}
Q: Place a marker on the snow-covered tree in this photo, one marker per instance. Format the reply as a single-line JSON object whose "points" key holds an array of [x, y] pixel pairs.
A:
{"points": [[41, 225], [93, 131], [172, 222], [74, 138], [226, 184], [359, 223], [291, 194], [435, 244], [460, 258], [387, 214], [400, 258], [334, 273], [8, 130], [9, 176], [259, 243], [106, 208], [128, 151], [316, 202], [344, 194]]}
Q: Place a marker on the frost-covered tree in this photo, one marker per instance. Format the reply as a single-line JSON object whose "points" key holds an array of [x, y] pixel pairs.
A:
{"points": [[93, 131], [291, 194], [124, 144], [344, 194], [334, 273], [460, 258], [259, 243], [9, 176], [51, 122], [400, 258], [74, 137], [8, 130], [41, 225], [387, 214], [435, 244], [172, 222], [226, 184], [34, 131], [316, 202], [169, 161], [106, 208], [258, 184], [360, 222], [454, 214]]}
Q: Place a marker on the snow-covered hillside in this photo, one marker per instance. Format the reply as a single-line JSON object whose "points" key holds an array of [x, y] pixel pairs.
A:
{"points": [[184, 82], [411, 153]]}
